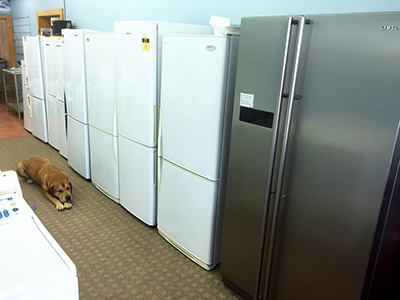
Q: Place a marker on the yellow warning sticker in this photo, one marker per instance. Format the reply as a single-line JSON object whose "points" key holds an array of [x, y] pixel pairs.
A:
{"points": [[146, 42]]}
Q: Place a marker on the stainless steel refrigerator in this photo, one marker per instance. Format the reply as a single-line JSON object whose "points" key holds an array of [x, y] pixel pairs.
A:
{"points": [[312, 191]]}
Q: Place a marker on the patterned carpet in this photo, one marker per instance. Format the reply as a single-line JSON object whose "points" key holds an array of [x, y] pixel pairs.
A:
{"points": [[116, 255]]}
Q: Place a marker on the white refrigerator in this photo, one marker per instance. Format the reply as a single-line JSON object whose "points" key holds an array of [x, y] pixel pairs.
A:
{"points": [[138, 71], [35, 86], [76, 100], [102, 107], [198, 74], [26, 100], [54, 90]]}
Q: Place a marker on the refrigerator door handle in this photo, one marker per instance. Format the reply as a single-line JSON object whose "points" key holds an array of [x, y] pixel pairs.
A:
{"points": [[155, 125], [115, 149], [159, 154], [28, 101], [279, 195], [156, 144], [115, 139], [115, 120], [270, 189]]}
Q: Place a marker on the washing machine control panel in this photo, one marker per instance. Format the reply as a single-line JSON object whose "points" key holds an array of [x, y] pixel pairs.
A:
{"points": [[11, 207]]}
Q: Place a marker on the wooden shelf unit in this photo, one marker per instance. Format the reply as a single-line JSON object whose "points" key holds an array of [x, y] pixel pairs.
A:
{"points": [[43, 17]]}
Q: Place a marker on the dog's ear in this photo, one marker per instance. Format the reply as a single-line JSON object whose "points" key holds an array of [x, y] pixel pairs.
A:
{"points": [[50, 190]]}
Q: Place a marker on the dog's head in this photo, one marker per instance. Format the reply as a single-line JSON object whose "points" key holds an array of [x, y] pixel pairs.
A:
{"points": [[61, 191]]}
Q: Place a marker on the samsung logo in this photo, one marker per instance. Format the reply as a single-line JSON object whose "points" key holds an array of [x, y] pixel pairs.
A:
{"points": [[390, 27]]}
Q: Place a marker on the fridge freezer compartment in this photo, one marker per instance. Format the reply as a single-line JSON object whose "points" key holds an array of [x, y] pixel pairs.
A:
{"points": [[39, 119], [138, 179], [104, 162], [78, 147], [54, 116], [27, 108], [187, 213]]}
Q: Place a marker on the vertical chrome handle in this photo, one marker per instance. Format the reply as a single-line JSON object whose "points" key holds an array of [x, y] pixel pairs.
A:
{"points": [[283, 155], [274, 147]]}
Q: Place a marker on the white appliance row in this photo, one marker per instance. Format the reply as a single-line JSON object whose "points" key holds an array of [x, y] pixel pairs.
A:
{"points": [[116, 105], [43, 91], [54, 91]]}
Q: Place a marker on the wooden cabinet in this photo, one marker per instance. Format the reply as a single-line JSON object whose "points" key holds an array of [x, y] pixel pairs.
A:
{"points": [[7, 48], [44, 17]]}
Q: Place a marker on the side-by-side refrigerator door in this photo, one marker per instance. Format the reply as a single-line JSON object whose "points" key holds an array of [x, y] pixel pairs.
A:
{"points": [[340, 144], [261, 73]]}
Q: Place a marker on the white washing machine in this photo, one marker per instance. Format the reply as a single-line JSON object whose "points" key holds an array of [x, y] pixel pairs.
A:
{"points": [[33, 265]]}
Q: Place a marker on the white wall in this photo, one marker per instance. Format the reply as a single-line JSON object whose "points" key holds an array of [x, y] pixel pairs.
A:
{"points": [[101, 14], [24, 8]]}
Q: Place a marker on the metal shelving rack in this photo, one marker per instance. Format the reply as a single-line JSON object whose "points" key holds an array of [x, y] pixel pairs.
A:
{"points": [[13, 89]]}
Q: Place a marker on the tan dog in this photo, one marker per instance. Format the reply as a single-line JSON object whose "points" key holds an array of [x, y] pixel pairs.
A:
{"points": [[51, 178]]}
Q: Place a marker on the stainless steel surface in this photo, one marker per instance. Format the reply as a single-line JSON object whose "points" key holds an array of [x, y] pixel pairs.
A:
{"points": [[282, 163], [340, 146], [244, 218]]}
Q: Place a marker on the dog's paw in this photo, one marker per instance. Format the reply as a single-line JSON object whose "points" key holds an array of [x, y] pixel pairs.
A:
{"points": [[30, 180], [67, 205], [59, 206]]}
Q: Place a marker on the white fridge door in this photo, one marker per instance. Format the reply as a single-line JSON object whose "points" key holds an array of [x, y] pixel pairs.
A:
{"points": [[27, 103], [53, 118], [33, 65], [39, 119], [192, 101], [78, 147], [186, 213], [104, 162], [100, 54], [58, 69], [74, 74], [136, 80], [137, 180], [48, 64], [62, 129]]}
